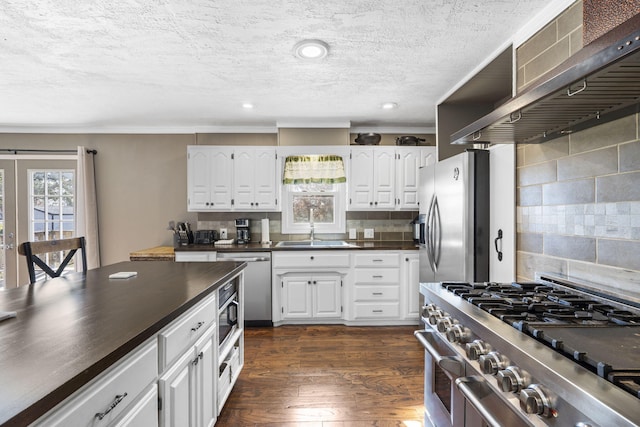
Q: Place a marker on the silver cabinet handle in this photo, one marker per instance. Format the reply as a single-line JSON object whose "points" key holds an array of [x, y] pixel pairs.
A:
{"points": [[198, 326], [377, 311], [377, 276], [376, 293], [119, 398]]}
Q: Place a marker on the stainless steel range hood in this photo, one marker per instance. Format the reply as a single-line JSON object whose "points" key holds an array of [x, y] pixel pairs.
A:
{"points": [[598, 84]]}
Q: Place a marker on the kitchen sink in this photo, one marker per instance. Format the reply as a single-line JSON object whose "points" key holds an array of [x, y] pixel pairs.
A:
{"points": [[314, 244]]}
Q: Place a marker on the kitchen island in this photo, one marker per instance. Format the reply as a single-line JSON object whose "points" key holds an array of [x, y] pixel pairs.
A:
{"points": [[69, 330]]}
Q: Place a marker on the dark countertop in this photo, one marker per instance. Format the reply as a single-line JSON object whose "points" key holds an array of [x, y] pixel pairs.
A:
{"points": [[68, 330], [258, 247]]}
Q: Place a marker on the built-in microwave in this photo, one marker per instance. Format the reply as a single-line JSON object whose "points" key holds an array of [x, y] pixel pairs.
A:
{"points": [[227, 310]]}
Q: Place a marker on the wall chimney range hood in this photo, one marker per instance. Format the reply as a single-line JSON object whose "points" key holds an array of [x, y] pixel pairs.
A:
{"points": [[598, 84]]}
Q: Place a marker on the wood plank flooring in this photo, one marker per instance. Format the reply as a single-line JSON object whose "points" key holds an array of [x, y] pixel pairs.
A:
{"points": [[328, 376]]}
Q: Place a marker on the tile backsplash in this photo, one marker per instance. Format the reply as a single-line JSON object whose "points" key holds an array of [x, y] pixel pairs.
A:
{"points": [[387, 225], [578, 205]]}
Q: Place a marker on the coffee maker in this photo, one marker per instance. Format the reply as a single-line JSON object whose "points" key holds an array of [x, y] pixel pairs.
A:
{"points": [[243, 231]]}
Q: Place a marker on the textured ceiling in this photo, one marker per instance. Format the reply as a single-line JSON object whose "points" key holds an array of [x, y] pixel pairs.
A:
{"points": [[192, 63]]}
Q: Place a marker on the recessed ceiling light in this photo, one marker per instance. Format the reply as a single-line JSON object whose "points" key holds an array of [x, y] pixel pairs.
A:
{"points": [[311, 49], [389, 105], [247, 106]]}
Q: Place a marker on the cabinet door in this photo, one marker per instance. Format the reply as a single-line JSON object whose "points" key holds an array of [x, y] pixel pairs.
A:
{"points": [[361, 178], [296, 297], [221, 178], [265, 193], [407, 173], [384, 178], [327, 296], [411, 285], [427, 156], [205, 379], [243, 179], [199, 178], [178, 392]]}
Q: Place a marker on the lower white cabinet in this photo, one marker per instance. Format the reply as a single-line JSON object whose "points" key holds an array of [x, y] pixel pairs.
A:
{"points": [[311, 296], [187, 388], [116, 394], [411, 281], [143, 413]]}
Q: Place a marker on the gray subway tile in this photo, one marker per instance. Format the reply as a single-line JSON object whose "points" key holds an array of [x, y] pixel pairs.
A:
{"points": [[547, 60], [571, 247], [593, 163], [530, 196], [570, 20], [630, 157], [569, 192], [619, 253], [618, 188], [538, 43], [615, 132], [555, 149], [527, 265], [537, 174], [529, 242]]}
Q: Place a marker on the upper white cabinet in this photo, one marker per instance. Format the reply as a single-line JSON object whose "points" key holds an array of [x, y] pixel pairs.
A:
{"points": [[386, 178], [231, 178], [254, 178], [372, 178]]}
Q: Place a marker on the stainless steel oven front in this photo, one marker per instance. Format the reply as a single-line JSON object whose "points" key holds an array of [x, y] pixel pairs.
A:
{"points": [[227, 310]]}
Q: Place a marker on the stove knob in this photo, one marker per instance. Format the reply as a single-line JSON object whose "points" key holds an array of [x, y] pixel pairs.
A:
{"points": [[435, 315], [533, 400], [476, 349], [444, 323], [512, 379], [458, 334], [427, 310], [492, 362]]}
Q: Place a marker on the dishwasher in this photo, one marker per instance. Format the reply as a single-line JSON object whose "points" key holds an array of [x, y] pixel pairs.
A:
{"points": [[257, 285]]}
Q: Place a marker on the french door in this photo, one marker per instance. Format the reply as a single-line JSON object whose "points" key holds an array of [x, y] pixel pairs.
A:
{"points": [[37, 202]]}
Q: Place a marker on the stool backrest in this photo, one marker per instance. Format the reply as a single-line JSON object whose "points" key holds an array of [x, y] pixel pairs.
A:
{"points": [[33, 250]]}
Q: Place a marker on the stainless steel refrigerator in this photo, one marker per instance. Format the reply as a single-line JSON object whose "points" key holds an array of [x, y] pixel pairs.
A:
{"points": [[454, 219]]}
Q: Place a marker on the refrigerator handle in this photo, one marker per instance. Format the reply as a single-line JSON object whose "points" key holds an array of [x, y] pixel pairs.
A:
{"points": [[430, 234], [438, 234]]}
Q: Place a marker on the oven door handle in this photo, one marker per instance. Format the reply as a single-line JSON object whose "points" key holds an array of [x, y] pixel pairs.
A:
{"points": [[493, 410], [451, 364]]}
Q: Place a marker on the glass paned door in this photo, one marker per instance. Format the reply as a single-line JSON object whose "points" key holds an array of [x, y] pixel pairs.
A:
{"points": [[8, 251], [37, 202]]}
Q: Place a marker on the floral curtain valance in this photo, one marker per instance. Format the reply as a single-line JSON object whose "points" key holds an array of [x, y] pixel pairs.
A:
{"points": [[318, 169]]}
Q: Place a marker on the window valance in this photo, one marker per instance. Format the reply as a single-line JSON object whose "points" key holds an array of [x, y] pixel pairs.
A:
{"points": [[318, 169]]}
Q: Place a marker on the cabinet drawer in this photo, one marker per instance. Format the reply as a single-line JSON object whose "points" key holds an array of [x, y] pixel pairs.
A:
{"points": [[185, 330], [377, 310], [310, 259], [377, 275], [144, 413], [377, 293], [192, 256], [377, 260], [110, 393]]}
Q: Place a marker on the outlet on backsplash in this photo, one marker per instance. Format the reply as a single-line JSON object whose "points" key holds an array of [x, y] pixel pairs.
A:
{"points": [[368, 233], [352, 234], [223, 233]]}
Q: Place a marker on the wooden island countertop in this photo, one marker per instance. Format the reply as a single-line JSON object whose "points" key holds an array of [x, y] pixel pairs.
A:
{"points": [[70, 329]]}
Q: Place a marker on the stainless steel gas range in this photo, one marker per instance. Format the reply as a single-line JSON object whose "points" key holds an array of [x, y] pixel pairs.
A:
{"points": [[544, 353]]}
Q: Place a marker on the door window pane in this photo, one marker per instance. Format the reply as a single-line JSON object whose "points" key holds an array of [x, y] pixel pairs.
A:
{"points": [[52, 209]]}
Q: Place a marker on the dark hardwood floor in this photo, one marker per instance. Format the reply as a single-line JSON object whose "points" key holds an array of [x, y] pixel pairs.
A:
{"points": [[328, 376]]}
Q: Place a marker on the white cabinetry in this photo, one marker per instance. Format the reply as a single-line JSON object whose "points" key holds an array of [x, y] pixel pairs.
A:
{"points": [[410, 276], [254, 178], [372, 178], [209, 178], [376, 285], [409, 161], [386, 178], [231, 178], [187, 385], [311, 296], [117, 394], [187, 388], [308, 286]]}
